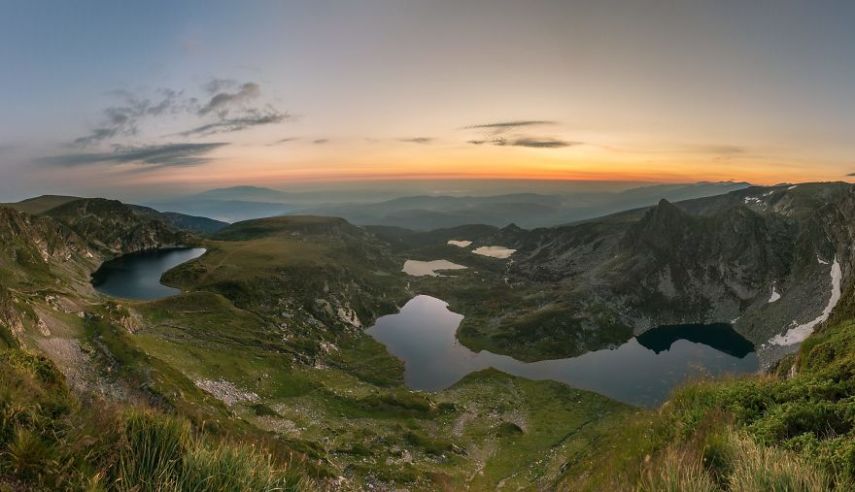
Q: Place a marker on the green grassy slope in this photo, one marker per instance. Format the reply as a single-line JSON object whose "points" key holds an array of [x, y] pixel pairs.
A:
{"points": [[50, 440], [263, 321], [41, 204], [791, 430], [260, 375]]}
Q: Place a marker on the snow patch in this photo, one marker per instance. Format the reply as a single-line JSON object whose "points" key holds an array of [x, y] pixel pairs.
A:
{"points": [[821, 261], [775, 295], [799, 333], [429, 268], [500, 252], [459, 243]]}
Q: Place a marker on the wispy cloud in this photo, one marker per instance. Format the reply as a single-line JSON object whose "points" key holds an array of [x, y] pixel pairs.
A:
{"points": [[507, 126], [223, 102], [532, 142], [539, 143], [285, 140], [320, 141], [250, 118], [229, 106], [148, 157], [510, 134], [417, 140], [123, 119], [216, 85]]}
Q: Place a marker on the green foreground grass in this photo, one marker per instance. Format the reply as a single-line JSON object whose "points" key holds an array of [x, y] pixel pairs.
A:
{"points": [[49, 440]]}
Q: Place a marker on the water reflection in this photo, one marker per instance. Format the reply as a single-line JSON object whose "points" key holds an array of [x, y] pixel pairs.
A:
{"points": [[137, 275], [641, 371]]}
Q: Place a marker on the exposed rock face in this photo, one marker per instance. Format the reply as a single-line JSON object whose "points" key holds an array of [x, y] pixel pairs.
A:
{"points": [[60, 248], [113, 228], [226, 391], [709, 260], [31, 240], [9, 317]]}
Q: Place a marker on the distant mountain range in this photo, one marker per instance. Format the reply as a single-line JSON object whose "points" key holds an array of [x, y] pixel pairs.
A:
{"points": [[426, 212]]}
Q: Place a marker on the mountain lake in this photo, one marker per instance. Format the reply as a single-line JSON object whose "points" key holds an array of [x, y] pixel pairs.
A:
{"points": [[641, 371], [137, 275]]}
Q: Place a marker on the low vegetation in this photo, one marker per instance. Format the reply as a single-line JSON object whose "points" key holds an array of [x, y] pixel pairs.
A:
{"points": [[49, 440], [258, 377], [789, 431]]}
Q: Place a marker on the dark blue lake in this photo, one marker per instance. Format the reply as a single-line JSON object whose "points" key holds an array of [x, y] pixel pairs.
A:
{"points": [[137, 275], [642, 371]]}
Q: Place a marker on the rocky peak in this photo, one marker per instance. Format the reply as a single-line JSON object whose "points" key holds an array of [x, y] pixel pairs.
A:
{"points": [[665, 228], [512, 228]]}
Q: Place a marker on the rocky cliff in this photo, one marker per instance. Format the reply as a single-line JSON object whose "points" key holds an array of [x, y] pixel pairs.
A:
{"points": [[773, 261]]}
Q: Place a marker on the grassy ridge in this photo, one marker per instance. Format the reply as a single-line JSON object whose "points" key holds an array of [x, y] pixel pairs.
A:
{"points": [[50, 441]]}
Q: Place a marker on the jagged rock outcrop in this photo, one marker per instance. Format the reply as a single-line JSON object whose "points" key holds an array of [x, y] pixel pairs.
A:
{"points": [[32, 240], [10, 319], [112, 228], [764, 258]]}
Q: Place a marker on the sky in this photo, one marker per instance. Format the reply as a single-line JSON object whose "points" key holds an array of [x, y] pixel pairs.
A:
{"points": [[138, 99]]}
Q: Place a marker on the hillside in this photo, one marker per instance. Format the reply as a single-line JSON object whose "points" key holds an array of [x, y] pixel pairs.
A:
{"points": [[773, 261], [41, 204], [267, 342], [261, 366], [44, 205]]}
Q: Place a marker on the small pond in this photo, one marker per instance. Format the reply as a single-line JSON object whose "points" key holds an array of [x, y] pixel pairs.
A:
{"points": [[137, 275]]}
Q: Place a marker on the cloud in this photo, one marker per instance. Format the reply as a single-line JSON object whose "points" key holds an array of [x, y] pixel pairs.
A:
{"points": [[851, 174], [123, 119], [216, 85], [532, 142], [506, 126], [320, 141], [540, 143], [285, 140], [223, 102], [231, 106], [250, 118], [148, 157], [417, 140]]}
